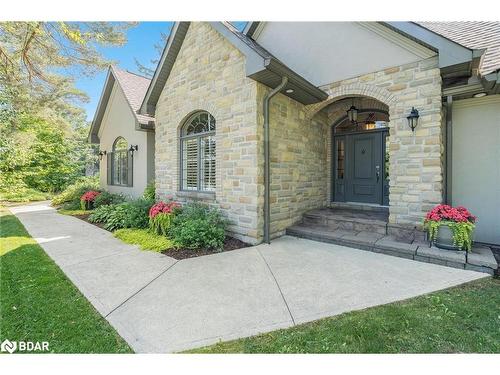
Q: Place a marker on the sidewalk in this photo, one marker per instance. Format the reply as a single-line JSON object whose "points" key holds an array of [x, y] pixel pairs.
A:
{"points": [[159, 304]]}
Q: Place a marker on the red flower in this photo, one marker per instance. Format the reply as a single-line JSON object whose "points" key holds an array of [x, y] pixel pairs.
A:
{"points": [[162, 207], [89, 196], [446, 212]]}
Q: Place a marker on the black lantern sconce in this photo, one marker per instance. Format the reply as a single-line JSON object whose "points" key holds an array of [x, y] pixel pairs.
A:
{"points": [[132, 149], [101, 154], [413, 119], [352, 114]]}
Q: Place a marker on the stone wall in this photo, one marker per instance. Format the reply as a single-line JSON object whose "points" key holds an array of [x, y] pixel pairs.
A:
{"points": [[298, 160], [416, 169], [209, 74]]}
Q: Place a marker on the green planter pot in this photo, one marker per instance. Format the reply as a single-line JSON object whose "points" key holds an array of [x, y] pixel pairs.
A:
{"points": [[444, 238]]}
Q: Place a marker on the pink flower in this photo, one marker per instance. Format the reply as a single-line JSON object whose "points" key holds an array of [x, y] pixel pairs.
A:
{"points": [[163, 207], [89, 196], [446, 212]]}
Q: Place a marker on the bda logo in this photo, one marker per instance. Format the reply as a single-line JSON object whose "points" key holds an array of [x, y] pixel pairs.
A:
{"points": [[8, 346]]}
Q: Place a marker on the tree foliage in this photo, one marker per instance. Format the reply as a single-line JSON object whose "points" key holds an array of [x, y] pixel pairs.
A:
{"points": [[43, 130]]}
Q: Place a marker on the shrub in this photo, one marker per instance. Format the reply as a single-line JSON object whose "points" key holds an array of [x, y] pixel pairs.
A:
{"points": [[87, 199], [101, 214], [106, 198], [133, 214], [150, 191], [198, 226], [161, 215], [74, 191], [137, 213]]}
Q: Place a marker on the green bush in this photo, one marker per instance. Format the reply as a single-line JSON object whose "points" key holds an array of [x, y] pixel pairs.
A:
{"points": [[100, 214], [133, 214], [106, 198], [150, 191], [198, 226], [160, 224], [74, 191]]}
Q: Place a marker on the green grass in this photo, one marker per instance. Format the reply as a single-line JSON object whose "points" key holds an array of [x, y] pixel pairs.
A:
{"points": [[74, 212], [145, 239], [38, 302], [22, 195], [462, 319]]}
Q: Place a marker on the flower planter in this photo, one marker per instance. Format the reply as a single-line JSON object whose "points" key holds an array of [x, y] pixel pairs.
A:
{"points": [[450, 228], [444, 238]]}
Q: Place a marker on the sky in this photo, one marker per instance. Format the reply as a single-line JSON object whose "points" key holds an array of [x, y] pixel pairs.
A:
{"points": [[140, 45]]}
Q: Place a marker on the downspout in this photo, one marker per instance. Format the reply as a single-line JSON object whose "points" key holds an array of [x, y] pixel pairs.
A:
{"points": [[267, 164], [448, 151]]}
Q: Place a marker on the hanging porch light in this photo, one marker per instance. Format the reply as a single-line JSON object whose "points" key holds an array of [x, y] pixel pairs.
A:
{"points": [[352, 114]]}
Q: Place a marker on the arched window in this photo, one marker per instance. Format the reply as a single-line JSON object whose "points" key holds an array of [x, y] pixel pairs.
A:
{"points": [[120, 164], [198, 153]]}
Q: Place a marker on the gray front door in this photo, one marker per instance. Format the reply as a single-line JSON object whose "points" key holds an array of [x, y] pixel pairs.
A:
{"points": [[362, 176]]}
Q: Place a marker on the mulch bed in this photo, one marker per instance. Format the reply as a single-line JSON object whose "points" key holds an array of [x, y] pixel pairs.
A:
{"points": [[86, 218], [229, 244]]}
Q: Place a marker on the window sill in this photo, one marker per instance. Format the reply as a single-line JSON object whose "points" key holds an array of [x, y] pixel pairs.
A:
{"points": [[206, 196]]}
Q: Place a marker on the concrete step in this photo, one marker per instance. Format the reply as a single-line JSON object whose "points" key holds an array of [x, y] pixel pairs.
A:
{"points": [[348, 219]]}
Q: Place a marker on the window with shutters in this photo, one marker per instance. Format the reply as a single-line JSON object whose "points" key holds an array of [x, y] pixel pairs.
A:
{"points": [[198, 153], [120, 164]]}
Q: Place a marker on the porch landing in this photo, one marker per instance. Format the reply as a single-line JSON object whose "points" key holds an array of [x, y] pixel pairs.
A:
{"points": [[368, 229]]}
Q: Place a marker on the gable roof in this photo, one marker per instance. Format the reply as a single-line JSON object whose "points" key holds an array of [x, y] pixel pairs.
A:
{"points": [[473, 35], [260, 65], [134, 88]]}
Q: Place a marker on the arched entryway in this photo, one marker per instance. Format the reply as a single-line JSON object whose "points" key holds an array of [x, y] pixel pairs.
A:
{"points": [[359, 159]]}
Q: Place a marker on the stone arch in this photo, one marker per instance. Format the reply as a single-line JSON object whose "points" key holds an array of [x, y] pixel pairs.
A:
{"points": [[353, 90], [197, 106]]}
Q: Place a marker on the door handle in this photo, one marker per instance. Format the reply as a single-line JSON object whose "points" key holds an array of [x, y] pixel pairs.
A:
{"points": [[377, 167]]}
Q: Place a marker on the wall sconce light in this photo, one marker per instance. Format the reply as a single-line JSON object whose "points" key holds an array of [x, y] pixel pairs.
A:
{"points": [[413, 119], [101, 154], [132, 149]]}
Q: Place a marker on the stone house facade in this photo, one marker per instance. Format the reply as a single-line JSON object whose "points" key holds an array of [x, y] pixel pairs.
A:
{"points": [[318, 156]]}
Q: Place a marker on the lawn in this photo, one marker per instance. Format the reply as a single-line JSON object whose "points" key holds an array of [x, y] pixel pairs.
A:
{"points": [[462, 319], [23, 195], [38, 302]]}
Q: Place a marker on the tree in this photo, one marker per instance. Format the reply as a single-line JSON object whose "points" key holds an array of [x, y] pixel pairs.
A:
{"points": [[143, 69], [42, 128], [39, 60]]}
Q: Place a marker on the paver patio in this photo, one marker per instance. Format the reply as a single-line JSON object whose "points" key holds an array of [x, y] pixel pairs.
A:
{"points": [[159, 304]]}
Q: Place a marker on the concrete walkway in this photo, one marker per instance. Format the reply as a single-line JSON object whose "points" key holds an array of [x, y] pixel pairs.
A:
{"points": [[159, 304]]}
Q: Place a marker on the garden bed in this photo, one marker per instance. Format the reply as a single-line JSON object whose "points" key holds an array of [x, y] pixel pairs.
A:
{"points": [[230, 243]]}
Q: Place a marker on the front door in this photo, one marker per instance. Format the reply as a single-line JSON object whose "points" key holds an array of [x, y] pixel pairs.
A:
{"points": [[359, 168]]}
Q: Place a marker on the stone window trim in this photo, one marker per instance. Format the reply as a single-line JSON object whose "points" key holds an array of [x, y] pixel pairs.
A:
{"points": [[197, 158], [207, 196]]}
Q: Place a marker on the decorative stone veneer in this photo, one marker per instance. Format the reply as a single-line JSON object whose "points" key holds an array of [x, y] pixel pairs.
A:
{"points": [[209, 74], [298, 160], [416, 170]]}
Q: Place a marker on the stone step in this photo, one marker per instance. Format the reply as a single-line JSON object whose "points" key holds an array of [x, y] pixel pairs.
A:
{"points": [[347, 219], [359, 206], [480, 259]]}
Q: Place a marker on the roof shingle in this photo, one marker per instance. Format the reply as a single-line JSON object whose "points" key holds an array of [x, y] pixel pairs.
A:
{"points": [[472, 35], [134, 87]]}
